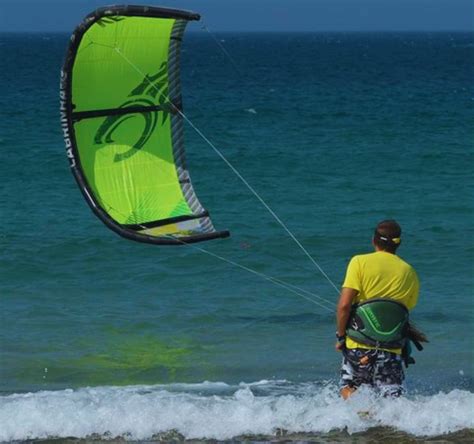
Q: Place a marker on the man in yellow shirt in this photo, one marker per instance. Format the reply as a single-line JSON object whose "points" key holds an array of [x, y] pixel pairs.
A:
{"points": [[375, 277]]}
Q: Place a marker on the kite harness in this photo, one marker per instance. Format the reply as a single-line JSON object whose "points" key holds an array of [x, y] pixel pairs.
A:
{"points": [[384, 323]]}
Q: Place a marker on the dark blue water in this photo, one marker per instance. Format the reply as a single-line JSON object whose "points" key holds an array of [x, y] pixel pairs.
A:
{"points": [[335, 132]]}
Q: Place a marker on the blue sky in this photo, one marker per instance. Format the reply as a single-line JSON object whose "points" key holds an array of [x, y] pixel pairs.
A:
{"points": [[262, 15]]}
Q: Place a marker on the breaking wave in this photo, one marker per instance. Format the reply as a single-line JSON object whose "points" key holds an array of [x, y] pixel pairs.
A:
{"points": [[221, 411]]}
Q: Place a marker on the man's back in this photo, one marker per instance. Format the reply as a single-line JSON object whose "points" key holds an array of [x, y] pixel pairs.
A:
{"points": [[382, 274]]}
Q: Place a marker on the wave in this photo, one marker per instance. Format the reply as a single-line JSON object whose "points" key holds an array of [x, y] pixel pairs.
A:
{"points": [[222, 411]]}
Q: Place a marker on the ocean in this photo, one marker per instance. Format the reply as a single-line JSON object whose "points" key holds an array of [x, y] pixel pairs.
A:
{"points": [[102, 338]]}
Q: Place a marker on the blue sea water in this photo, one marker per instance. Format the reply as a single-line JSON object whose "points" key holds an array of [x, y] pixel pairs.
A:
{"points": [[101, 336]]}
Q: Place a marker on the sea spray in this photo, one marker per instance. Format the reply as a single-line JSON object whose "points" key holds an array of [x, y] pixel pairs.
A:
{"points": [[221, 411]]}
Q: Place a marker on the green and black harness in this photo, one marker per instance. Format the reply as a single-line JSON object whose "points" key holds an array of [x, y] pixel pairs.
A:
{"points": [[383, 323]]}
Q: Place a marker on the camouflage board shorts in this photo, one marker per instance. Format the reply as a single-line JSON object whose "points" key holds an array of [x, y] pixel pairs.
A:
{"points": [[380, 369]]}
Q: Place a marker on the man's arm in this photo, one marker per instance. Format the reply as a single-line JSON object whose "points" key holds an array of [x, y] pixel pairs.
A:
{"points": [[343, 311]]}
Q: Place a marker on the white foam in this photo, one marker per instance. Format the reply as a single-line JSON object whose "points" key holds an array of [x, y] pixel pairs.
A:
{"points": [[221, 411]]}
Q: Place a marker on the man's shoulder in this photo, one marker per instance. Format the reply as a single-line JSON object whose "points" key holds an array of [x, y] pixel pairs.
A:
{"points": [[363, 257], [405, 264], [382, 257]]}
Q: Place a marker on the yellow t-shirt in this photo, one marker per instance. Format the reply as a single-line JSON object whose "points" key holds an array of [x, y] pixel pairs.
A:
{"points": [[378, 275]]}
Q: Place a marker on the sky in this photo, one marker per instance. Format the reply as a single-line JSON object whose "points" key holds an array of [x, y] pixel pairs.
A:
{"points": [[260, 15]]}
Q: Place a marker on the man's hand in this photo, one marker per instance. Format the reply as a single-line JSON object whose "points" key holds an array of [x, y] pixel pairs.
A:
{"points": [[341, 342]]}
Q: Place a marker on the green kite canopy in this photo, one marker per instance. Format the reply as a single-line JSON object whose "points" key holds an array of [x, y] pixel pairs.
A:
{"points": [[121, 113]]}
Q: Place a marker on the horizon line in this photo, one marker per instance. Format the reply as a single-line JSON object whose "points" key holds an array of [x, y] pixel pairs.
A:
{"points": [[192, 31]]}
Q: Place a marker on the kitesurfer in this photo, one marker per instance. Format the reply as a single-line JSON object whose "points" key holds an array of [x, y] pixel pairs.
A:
{"points": [[372, 315]]}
